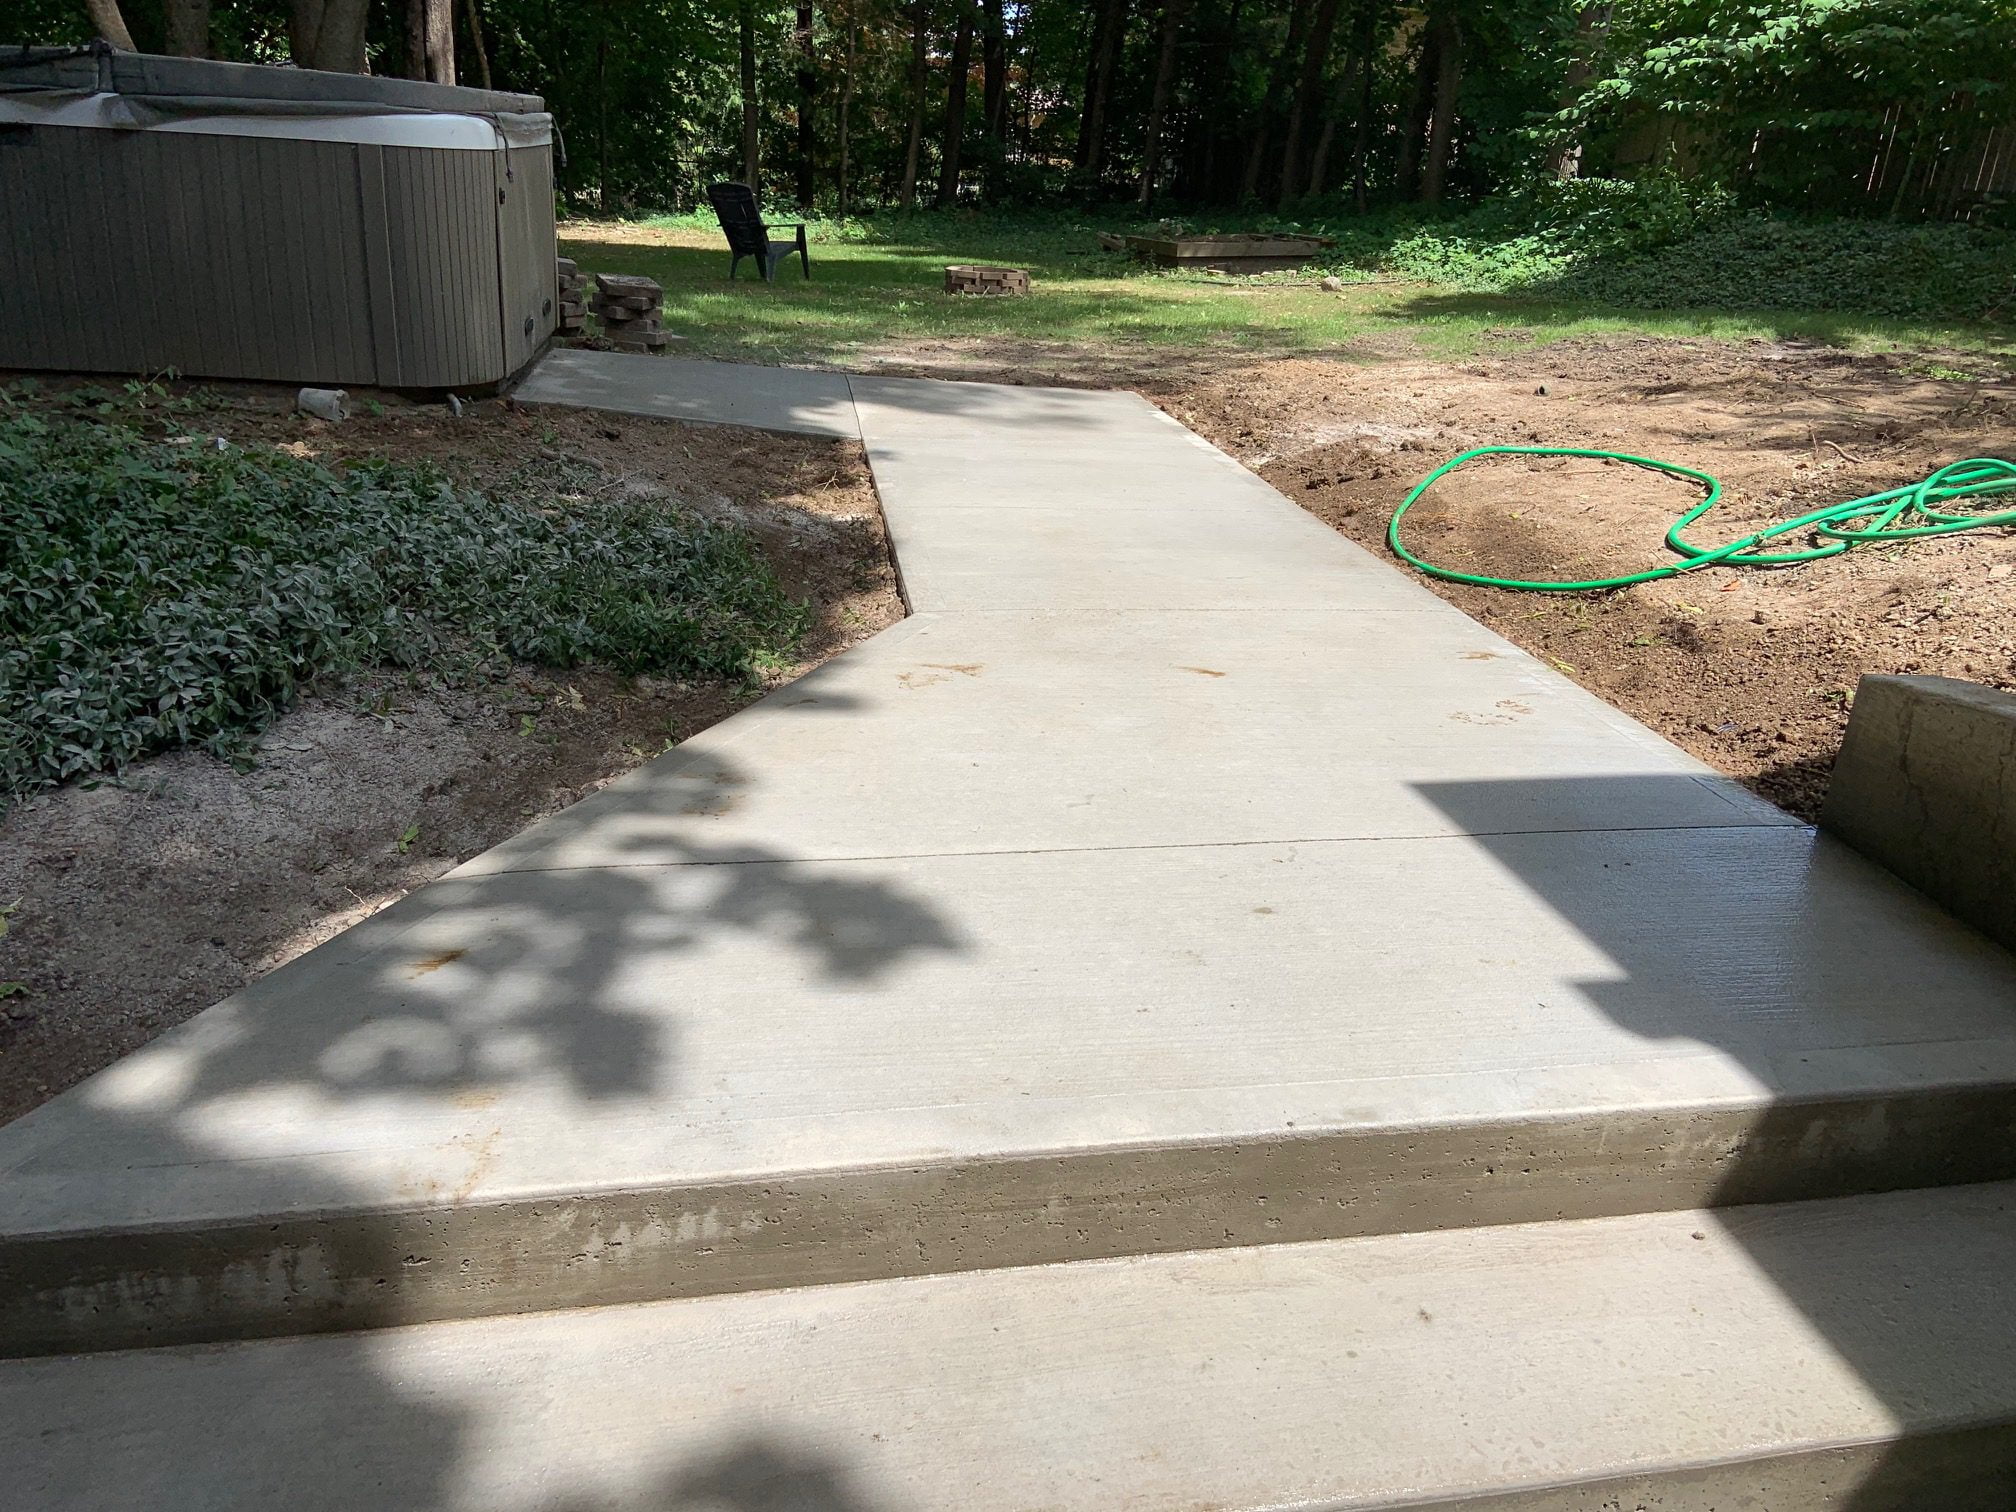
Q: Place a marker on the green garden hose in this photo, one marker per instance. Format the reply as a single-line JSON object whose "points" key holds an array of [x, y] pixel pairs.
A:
{"points": [[1899, 514]]}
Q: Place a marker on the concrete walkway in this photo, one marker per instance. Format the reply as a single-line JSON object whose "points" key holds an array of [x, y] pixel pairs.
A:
{"points": [[1173, 834], [1178, 876]]}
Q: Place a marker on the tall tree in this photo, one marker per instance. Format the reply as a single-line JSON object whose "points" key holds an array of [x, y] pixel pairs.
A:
{"points": [[994, 90], [328, 34], [955, 108], [752, 162], [1361, 140], [1222, 45], [430, 40], [1308, 94], [1326, 139], [846, 106], [108, 22], [188, 27], [1421, 104], [1564, 158], [1158, 104], [1442, 120], [1108, 34], [1278, 75], [920, 26], [473, 12], [602, 201], [808, 89]]}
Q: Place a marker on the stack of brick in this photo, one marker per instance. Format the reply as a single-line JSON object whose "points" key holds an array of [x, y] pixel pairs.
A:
{"points": [[573, 298], [629, 309], [966, 278]]}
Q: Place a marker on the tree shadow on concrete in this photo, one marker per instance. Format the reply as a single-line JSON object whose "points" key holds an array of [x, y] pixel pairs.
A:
{"points": [[1785, 951], [362, 1139]]}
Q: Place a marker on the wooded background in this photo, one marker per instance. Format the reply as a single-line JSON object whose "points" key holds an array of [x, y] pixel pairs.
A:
{"points": [[1892, 108]]}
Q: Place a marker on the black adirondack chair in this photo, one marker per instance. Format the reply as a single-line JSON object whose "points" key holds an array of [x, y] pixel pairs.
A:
{"points": [[748, 236]]}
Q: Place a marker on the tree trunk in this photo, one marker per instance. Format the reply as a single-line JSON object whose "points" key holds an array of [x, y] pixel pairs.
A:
{"points": [[808, 89], [955, 109], [920, 25], [1270, 105], [473, 12], [1564, 159], [188, 27], [1442, 123], [602, 110], [1220, 47], [846, 104], [109, 23], [1308, 92], [327, 34], [1158, 104], [1106, 45], [752, 163], [430, 41], [1319, 163], [994, 92], [1361, 141], [1414, 138]]}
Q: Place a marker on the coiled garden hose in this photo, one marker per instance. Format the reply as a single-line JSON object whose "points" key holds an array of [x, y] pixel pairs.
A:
{"points": [[1898, 514]]}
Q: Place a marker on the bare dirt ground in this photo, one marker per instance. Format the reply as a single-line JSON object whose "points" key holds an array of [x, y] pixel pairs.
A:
{"points": [[143, 901], [1751, 670]]}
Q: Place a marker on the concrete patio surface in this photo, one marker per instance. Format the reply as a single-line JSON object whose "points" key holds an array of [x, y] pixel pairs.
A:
{"points": [[1283, 871], [1178, 876]]}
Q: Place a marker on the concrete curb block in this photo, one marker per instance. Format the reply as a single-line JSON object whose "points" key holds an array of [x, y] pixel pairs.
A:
{"points": [[1926, 786]]}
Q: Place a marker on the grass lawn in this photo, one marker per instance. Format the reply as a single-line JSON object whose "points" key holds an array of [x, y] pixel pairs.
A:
{"points": [[880, 289]]}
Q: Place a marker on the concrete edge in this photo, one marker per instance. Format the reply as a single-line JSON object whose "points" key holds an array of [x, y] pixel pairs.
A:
{"points": [[1965, 1468], [338, 1271]]}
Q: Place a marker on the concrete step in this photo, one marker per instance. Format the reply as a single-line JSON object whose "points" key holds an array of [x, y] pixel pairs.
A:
{"points": [[1845, 1356], [549, 1089]]}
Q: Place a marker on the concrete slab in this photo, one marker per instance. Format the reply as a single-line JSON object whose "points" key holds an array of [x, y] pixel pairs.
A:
{"points": [[1115, 508], [1926, 785], [1299, 725], [546, 1088], [1071, 558], [1231, 888], [1821, 1358], [980, 412], [766, 398]]}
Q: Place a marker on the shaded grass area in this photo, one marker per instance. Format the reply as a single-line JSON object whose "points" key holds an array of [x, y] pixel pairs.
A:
{"points": [[880, 285]]}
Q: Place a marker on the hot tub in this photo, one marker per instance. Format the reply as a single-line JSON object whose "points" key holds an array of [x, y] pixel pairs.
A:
{"points": [[227, 220]]}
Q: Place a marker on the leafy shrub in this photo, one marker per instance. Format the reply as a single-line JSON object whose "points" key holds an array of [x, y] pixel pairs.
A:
{"points": [[155, 594], [1660, 243], [1928, 272], [1535, 233]]}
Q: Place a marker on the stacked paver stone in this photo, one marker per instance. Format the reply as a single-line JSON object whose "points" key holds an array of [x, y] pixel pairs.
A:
{"points": [[573, 298], [628, 307]]}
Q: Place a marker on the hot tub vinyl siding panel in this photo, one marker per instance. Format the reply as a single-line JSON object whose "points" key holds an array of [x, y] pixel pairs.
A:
{"points": [[269, 258]]}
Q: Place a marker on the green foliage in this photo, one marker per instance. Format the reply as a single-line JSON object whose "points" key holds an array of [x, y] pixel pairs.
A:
{"points": [[1803, 102], [155, 594], [1529, 237], [1936, 272], [1861, 107], [1666, 244]]}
